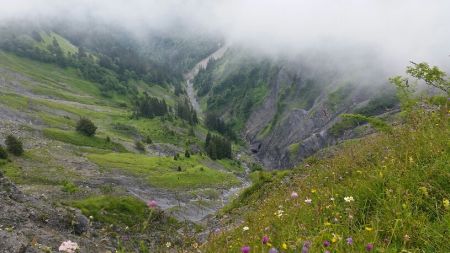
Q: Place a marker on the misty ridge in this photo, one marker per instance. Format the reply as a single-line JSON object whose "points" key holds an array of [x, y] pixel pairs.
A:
{"points": [[387, 33]]}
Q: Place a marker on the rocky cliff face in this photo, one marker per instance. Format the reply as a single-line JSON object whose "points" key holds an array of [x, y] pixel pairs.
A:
{"points": [[301, 104]]}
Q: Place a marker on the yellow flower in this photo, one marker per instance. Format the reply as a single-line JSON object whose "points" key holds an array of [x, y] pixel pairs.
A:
{"points": [[327, 224], [424, 190], [369, 229], [313, 190], [284, 245], [269, 244], [446, 203]]}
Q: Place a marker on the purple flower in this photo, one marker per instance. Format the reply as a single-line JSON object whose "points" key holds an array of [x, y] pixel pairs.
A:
{"points": [[294, 195], [327, 251], [326, 243], [273, 250], [265, 239], [245, 249], [306, 246], [369, 247], [350, 241]]}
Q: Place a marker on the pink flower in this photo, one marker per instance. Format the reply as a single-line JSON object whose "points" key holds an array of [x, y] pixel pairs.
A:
{"points": [[265, 239], [245, 249], [369, 247], [326, 243], [294, 195], [152, 204]]}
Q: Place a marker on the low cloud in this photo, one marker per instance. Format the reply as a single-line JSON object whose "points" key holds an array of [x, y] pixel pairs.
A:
{"points": [[393, 31]]}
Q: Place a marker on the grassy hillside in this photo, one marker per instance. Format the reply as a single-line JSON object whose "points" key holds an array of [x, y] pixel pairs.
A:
{"points": [[389, 192]]}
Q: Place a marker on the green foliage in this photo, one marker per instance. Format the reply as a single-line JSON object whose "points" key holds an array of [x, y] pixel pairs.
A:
{"points": [[186, 112], [3, 153], [377, 123], [78, 139], [163, 171], [14, 145], [139, 146], [148, 140], [119, 210], [69, 187], [86, 127], [433, 76], [149, 107], [217, 147], [187, 154]]}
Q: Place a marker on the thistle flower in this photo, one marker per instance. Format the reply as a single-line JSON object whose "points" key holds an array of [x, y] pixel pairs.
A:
{"points": [[369, 247], [245, 249], [349, 199], [265, 239], [326, 243], [152, 204], [294, 195], [349, 241], [68, 247]]}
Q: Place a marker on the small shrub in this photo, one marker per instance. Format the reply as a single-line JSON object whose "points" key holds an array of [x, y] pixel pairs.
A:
{"points": [[69, 187], [139, 146], [14, 145], [148, 140], [3, 153], [108, 139], [187, 154], [176, 157], [179, 168], [86, 127]]}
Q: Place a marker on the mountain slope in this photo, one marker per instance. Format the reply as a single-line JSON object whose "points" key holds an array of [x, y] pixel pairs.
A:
{"points": [[388, 192], [288, 109]]}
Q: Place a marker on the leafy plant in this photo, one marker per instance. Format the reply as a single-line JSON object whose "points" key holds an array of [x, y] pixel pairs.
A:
{"points": [[86, 127], [14, 145]]}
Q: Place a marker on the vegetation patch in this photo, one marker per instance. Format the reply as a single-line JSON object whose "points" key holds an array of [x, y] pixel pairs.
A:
{"points": [[78, 139], [166, 172]]}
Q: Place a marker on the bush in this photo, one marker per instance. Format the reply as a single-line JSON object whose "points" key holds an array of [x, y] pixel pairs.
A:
{"points": [[187, 154], [148, 140], [14, 145], [86, 127], [139, 146], [3, 153]]}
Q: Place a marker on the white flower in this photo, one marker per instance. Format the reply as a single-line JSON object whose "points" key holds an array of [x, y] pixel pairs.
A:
{"points": [[308, 201], [349, 199], [279, 213], [69, 247], [245, 228], [168, 244], [332, 199]]}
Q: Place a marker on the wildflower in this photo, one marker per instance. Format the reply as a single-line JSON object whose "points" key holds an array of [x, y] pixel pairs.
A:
{"points": [[369, 229], [313, 190], [446, 203], [91, 217], [284, 245], [335, 238], [294, 195], [279, 213], [245, 249], [327, 251], [332, 199], [327, 223], [424, 190], [369, 247], [265, 239], [326, 243], [152, 204], [273, 250], [308, 201], [349, 199], [168, 244], [195, 245], [305, 248], [69, 247], [349, 241], [406, 238], [246, 228]]}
